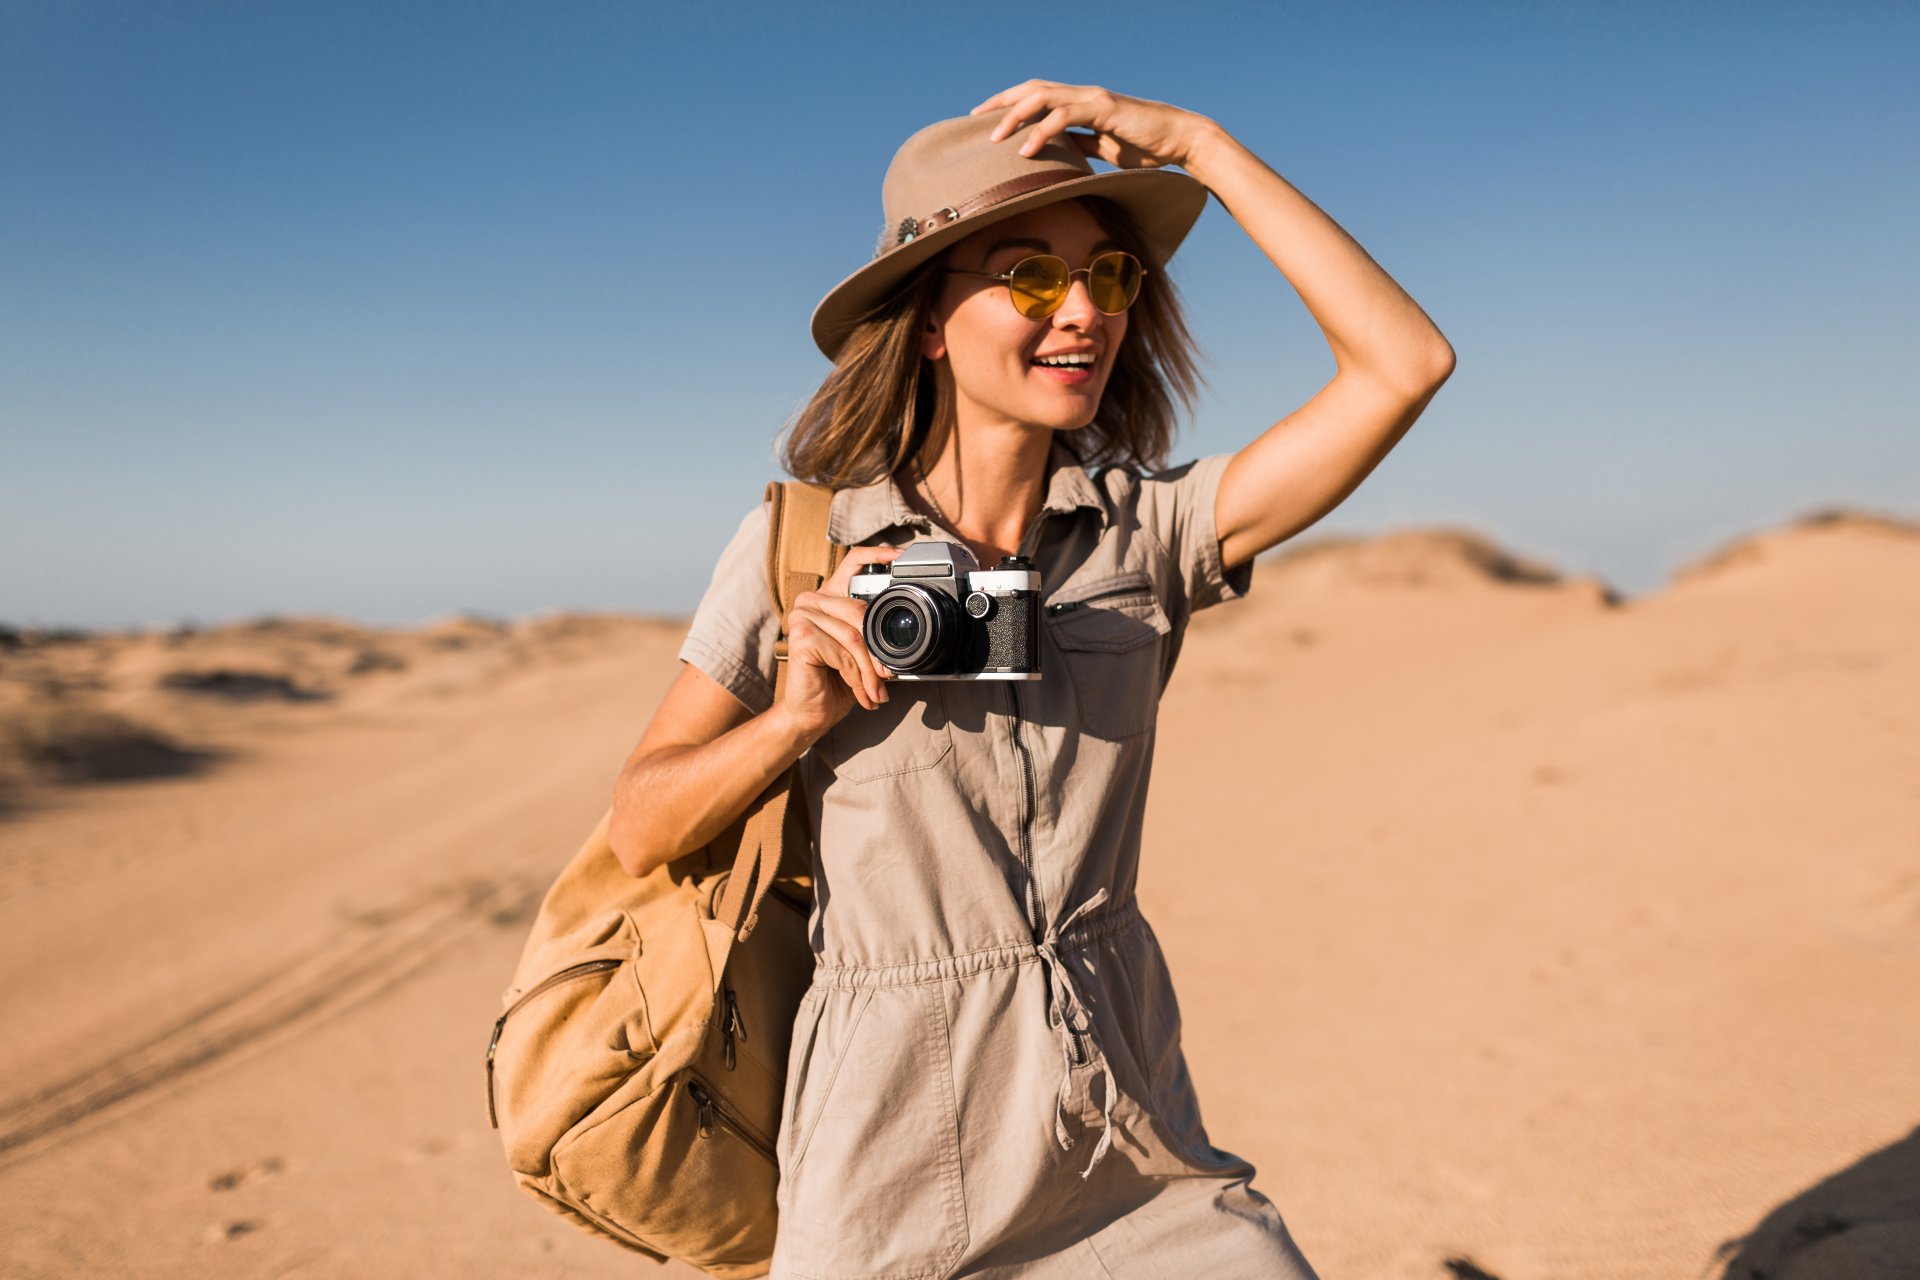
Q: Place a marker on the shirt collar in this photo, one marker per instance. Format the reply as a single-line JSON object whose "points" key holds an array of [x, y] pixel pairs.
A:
{"points": [[859, 513]]}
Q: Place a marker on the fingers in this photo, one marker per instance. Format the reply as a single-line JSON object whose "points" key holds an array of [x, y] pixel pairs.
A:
{"points": [[1022, 109], [828, 628], [856, 557], [1053, 122], [831, 619], [1129, 132], [1053, 105], [811, 648], [846, 662], [1007, 96]]}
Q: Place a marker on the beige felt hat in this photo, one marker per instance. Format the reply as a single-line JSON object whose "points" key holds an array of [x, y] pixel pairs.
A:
{"points": [[948, 181]]}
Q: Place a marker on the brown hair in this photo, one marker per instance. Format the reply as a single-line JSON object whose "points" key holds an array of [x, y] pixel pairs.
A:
{"points": [[851, 431]]}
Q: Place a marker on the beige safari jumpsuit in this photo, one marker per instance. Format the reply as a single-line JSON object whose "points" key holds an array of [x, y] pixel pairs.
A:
{"points": [[986, 1076]]}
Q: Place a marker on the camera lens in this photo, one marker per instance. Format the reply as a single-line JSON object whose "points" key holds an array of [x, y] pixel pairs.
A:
{"points": [[910, 628], [899, 628]]}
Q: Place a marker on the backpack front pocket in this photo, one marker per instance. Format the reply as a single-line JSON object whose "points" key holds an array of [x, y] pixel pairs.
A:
{"points": [[671, 1163], [566, 1042]]}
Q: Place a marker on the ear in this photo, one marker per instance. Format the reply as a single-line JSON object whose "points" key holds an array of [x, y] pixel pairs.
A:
{"points": [[933, 339]]}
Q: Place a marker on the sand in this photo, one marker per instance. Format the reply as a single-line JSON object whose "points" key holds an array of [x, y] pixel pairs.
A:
{"points": [[1520, 930]]}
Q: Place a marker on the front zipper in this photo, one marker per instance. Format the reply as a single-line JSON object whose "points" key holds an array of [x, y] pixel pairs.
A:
{"points": [[1026, 776], [1035, 915], [711, 1110], [568, 974]]}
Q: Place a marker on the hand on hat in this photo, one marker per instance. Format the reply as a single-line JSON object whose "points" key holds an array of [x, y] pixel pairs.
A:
{"points": [[1131, 133]]}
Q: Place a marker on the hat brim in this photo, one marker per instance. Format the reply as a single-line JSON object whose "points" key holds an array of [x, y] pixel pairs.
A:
{"points": [[1165, 202]]}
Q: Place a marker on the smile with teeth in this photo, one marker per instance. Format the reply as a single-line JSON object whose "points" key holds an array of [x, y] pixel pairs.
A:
{"points": [[1076, 360]]}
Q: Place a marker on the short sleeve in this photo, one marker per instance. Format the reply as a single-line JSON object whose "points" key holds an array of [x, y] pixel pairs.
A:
{"points": [[733, 632], [1176, 509]]}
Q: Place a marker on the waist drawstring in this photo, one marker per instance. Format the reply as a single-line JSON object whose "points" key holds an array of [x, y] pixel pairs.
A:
{"points": [[1065, 1003]]}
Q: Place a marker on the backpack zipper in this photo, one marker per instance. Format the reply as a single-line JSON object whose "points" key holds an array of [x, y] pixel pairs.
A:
{"points": [[568, 974], [731, 1025], [711, 1110], [730, 1022]]}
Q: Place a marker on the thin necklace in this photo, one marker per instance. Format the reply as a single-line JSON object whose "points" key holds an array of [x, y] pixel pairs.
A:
{"points": [[932, 501]]}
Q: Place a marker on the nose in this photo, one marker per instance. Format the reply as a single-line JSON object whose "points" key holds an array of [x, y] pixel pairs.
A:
{"points": [[1076, 309]]}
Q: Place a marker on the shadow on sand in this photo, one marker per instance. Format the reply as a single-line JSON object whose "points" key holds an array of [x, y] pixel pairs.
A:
{"points": [[1862, 1223], [66, 746]]}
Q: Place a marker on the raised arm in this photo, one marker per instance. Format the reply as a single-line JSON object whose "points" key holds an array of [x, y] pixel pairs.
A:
{"points": [[1390, 357]]}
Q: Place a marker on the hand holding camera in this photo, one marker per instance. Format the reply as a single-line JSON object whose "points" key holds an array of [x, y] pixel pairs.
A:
{"points": [[925, 611], [828, 666]]}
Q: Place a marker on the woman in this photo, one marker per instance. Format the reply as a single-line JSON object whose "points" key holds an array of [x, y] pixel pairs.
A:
{"points": [[987, 994]]}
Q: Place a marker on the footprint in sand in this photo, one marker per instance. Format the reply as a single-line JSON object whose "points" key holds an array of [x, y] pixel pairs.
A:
{"points": [[220, 1232], [429, 1149], [254, 1172]]}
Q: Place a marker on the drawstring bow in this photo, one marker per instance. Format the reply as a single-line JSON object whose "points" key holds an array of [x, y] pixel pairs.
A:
{"points": [[1067, 1010]]}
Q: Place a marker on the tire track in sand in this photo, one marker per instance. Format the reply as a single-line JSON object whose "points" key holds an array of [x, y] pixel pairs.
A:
{"points": [[347, 969]]}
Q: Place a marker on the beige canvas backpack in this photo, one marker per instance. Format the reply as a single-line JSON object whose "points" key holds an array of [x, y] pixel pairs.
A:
{"points": [[638, 1071]]}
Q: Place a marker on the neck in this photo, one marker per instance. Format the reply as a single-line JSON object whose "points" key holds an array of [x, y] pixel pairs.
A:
{"points": [[989, 481]]}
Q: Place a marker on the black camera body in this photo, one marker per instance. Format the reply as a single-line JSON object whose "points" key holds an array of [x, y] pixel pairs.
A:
{"points": [[934, 614]]}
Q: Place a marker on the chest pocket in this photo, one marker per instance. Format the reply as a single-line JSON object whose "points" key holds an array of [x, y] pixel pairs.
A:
{"points": [[1111, 633], [904, 734]]}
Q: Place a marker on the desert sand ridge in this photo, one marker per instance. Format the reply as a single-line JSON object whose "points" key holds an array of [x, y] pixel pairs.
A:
{"points": [[1520, 929]]}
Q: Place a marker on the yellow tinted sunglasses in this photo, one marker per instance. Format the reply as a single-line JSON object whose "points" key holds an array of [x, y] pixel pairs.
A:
{"points": [[1038, 285]]}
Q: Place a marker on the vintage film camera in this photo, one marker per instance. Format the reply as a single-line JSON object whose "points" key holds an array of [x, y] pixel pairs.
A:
{"points": [[934, 614]]}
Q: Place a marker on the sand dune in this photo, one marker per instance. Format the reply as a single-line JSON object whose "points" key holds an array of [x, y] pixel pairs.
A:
{"points": [[1525, 930]]}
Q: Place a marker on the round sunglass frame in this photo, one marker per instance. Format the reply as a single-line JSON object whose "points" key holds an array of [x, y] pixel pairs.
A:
{"points": [[1057, 281]]}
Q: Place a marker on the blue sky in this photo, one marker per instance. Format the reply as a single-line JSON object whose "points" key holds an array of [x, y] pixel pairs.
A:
{"points": [[394, 310]]}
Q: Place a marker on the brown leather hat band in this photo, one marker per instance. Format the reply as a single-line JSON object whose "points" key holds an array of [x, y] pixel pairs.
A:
{"points": [[910, 229]]}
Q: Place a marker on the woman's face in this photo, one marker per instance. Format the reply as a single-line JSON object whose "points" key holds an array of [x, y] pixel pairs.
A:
{"points": [[994, 354]]}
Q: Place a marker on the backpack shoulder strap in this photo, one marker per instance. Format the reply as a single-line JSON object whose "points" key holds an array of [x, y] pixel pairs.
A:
{"points": [[799, 558], [799, 555]]}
